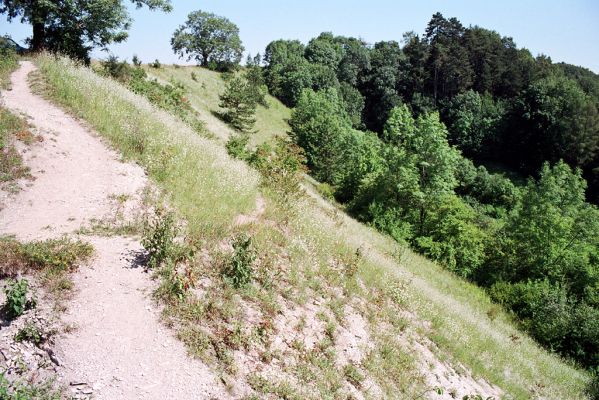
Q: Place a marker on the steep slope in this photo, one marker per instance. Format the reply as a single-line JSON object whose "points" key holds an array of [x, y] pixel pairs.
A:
{"points": [[334, 309], [204, 88], [115, 341]]}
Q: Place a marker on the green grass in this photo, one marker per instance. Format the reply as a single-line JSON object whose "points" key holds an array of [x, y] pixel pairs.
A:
{"points": [[203, 183], [204, 96], [310, 253], [11, 162]]}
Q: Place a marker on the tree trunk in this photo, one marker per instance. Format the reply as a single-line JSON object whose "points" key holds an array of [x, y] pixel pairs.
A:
{"points": [[38, 42]]}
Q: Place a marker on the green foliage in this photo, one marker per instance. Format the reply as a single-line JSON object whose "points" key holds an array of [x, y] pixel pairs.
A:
{"points": [[16, 298], [319, 125], [237, 146], [8, 63], [453, 238], [211, 40], [546, 259], [52, 256], [119, 70], [282, 165], [136, 61], [75, 28], [239, 101], [171, 97], [553, 119], [11, 162], [473, 121], [156, 64], [481, 188], [159, 239], [24, 391], [239, 271], [29, 333]]}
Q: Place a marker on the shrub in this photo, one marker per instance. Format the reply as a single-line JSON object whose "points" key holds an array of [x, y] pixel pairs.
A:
{"points": [[16, 298], [156, 64], [237, 146], [159, 239], [282, 165], [194, 77], [8, 63], [239, 271], [30, 333], [136, 61], [119, 70]]}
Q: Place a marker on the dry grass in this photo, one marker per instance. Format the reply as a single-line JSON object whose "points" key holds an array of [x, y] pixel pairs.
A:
{"points": [[282, 334]]}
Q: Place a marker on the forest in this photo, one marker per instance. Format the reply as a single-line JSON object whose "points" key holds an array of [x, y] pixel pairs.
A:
{"points": [[479, 155], [470, 149]]}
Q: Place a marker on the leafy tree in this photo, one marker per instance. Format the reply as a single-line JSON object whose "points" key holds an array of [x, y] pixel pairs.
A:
{"points": [[319, 125], [353, 102], [211, 40], [355, 61], [551, 234], [380, 84], [287, 72], [324, 50], [239, 101], [474, 122], [553, 119], [453, 238], [75, 27]]}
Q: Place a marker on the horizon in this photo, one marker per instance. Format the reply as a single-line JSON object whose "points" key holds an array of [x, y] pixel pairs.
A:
{"points": [[537, 26]]}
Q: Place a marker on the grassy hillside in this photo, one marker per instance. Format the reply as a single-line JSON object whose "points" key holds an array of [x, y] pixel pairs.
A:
{"points": [[334, 309], [204, 94]]}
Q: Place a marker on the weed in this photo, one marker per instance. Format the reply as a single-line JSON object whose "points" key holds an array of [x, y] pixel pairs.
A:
{"points": [[194, 77], [26, 391], [159, 238], [353, 375], [11, 163], [16, 298], [239, 271], [29, 333]]}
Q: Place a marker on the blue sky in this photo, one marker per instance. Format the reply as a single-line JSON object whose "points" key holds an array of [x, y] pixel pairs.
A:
{"points": [[565, 30]]}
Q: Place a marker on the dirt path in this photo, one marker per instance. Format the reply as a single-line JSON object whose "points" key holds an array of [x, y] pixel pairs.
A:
{"points": [[119, 348]]}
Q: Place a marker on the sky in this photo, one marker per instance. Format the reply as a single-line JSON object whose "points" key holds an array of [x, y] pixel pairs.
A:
{"points": [[564, 30]]}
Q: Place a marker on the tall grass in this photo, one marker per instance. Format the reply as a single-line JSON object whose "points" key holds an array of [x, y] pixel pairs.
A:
{"points": [[206, 186], [208, 189], [204, 93]]}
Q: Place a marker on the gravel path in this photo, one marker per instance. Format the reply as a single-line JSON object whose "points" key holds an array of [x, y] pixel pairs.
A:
{"points": [[119, 348]]}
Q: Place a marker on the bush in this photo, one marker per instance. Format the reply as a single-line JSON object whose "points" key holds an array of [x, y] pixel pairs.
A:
{"points": [[156, 64], [239, 271], [119, 70], [136, 61], [282, 165], [237, 146], [452, 237], [8, 63], [159, 239], [29, 333], [16, 298]]}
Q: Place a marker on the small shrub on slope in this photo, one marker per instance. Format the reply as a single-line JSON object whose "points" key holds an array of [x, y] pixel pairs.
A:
{"points": [[16, 298], [239, 271]]}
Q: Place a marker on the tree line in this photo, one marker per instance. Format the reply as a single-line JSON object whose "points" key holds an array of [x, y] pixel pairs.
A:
{"points": [[401, 136]]}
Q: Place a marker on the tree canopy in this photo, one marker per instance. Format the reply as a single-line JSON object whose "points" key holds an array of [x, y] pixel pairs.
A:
{"points": [[75, 27], [213, 41]]}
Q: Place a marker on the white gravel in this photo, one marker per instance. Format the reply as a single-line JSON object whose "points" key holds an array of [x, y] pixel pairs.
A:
{"points": [[119, 347]]}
